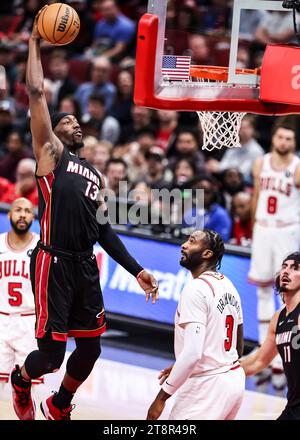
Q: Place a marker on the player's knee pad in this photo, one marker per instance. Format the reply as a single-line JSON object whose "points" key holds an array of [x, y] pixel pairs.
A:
{"points": [[88, 348], [47, 359]]}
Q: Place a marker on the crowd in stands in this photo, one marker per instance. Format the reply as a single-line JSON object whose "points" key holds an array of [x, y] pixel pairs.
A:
{"points": [[93, 78]]}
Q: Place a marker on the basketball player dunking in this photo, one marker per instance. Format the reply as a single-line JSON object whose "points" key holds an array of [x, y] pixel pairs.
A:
{"points": [[284, 336], [64, 272], [276, 212], [208, 339]]}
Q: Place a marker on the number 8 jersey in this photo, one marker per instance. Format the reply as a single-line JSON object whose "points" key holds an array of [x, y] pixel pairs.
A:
{"points": [[279, 198], [15, 286]]}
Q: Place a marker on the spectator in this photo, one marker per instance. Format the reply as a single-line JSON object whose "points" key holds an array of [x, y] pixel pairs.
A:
{"points": [[114, 33], [146, 139], [96, 122], [25, 185], [63, 85], [16, 151], [98, 152], [121, 108], [276, 27], [244, 157], [23, 29], [167, 124], [5, 184], [213, 216], [116, 172], [101, 69], [187, 147], [200, 51], [7, 119], [87, 26], [70, 105], [156, 164], [242, 224], [250, 20], [185, 171], [216, 19], [141, 120], [232, 183]]}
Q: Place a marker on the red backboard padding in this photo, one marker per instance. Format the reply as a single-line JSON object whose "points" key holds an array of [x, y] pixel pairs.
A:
{"points": [[280, 74]]}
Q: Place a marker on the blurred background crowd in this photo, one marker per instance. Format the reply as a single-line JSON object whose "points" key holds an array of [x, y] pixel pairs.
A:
{"points": [[93, 78]]}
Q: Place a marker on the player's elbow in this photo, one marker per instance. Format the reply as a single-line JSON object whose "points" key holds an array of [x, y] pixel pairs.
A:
{"points": [[35, 91]]}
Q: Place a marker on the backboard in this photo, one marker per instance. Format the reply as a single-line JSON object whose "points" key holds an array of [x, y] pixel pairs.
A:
{"points": [[170, 42]]}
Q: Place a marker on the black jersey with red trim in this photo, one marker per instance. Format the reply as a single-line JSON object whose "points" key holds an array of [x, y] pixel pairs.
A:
{"points": [[68, 204], [288, 345]]}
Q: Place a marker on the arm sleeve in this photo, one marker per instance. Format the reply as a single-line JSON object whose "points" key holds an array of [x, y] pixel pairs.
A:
{"points": [[111, 243], [194, 335]]}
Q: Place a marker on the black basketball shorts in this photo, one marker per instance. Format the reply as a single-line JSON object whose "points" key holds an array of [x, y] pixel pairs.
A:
{"points": [[68, 297]]}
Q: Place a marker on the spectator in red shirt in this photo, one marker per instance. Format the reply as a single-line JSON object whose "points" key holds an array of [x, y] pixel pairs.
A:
{"points": [[25, 185], [242, 227], [168, 122]]}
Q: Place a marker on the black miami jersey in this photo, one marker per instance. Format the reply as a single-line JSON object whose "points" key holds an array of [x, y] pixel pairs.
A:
{"points": [[288, 345], [68, 204]]}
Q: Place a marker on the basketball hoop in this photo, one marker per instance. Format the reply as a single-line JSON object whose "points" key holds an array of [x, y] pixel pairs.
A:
{"points": [[220, 129]]}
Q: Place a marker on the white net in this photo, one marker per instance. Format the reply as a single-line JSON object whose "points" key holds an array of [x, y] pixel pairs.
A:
{"points": [[220, 129]]}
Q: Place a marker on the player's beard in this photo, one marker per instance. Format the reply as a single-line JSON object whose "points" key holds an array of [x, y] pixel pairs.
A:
{"points": [[283, 153], [191, 262], [19, 231]]}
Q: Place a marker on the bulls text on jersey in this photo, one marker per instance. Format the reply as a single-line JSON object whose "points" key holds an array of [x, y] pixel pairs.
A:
{"points": [[14, 268]]}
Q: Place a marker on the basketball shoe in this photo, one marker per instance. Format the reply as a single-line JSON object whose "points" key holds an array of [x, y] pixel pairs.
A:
{"points": [[23, 402], [51, 412]]}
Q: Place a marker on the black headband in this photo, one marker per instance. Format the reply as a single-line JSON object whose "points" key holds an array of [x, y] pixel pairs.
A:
{"points": [[294, 256], [56, 117]]}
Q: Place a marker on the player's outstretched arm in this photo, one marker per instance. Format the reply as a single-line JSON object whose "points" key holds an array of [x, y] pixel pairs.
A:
{"points": [[47, 147], [115, 248], [255, 363]]}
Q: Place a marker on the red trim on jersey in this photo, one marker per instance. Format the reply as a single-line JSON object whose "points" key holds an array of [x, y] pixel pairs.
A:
{"points": [[260, 283], [209, 284], [87, 333], [59, 336], [17, 314], [46, 183], [4, 377], [234, 368], [43, 262]]}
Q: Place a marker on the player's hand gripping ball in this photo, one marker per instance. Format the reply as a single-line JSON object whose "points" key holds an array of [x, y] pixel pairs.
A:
{"points": [[58, 24]]}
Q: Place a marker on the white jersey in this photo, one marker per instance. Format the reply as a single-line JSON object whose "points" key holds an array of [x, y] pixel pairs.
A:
{"points": [[212, 300], [15, 287], [279, 199]]}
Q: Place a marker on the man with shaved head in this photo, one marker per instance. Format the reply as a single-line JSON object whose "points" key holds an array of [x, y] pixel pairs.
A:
{"points": [[17, 314], [208, 339]]}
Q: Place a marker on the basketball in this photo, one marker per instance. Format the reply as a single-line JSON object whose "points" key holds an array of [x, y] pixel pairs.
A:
{"points": [[58, 24]]}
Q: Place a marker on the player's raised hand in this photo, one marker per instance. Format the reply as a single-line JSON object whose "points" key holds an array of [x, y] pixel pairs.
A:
{"points": [[164, 374], [149, 284], [35, 32]]}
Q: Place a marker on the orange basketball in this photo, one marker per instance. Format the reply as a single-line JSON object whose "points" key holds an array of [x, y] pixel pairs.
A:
{"points": [[58, 24]]}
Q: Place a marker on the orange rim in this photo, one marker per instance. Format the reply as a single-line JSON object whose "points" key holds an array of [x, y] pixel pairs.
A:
{"points": [[218, 73]]}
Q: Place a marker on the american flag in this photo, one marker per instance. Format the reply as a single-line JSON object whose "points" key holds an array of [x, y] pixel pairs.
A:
{"points": [[176, 68]]}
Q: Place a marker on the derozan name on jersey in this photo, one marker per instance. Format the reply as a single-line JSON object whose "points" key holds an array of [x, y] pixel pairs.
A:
{"points": [[74, 167], [228, 298], [13, 268]]}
